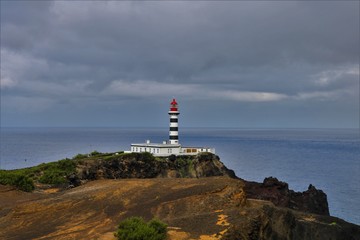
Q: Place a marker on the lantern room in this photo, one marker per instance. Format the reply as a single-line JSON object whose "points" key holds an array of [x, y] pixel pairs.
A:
{"points": [[174, 105]]}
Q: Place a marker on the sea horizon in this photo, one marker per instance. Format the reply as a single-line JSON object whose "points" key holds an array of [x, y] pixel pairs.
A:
{"points": [[192, 127]]}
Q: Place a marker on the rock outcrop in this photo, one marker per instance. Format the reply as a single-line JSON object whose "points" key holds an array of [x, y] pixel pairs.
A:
{"points": [[281, 223], [312, 200], [144, 165]]}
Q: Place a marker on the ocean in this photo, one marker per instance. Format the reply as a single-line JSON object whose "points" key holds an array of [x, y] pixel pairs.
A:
{"points": [[327, 158]]}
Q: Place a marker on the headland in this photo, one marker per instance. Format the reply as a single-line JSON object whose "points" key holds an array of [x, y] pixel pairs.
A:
{"points": [[197, 196]]}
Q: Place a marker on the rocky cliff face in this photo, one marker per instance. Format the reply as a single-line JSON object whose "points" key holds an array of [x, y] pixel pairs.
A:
{"points": [[146, 166], [312, 200], [281, 223]]}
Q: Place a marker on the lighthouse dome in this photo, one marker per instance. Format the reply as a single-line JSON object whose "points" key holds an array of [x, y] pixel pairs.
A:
{"points": [[174, 106], [174, 102]]}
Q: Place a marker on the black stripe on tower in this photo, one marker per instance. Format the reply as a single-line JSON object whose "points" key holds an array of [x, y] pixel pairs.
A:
{"points": [[173, 120], [174, 137], [173, 128]]}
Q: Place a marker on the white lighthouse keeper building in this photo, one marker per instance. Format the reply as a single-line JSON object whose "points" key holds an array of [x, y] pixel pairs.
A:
{"points": [[172, 146]]}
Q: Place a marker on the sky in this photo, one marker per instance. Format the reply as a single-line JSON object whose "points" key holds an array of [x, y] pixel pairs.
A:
{"points": [[232, 64]]}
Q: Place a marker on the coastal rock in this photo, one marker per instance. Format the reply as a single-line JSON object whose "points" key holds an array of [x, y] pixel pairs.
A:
{"points": [[146, 166], [312, 200], [208, 165], [280, 223]]}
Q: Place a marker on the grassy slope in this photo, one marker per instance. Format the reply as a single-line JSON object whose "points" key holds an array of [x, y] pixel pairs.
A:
{"points": [[56, 173]]}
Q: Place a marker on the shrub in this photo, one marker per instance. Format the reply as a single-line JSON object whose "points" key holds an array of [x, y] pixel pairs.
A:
{"points": [[135, 228], [49, 173], [56, 172], [185, 166], [17, 179], [24, 183], [172, 158], [66, 165], [53, 177], [6, 178], [146, 157], [95, 153], [80, 156], [159, 226]]}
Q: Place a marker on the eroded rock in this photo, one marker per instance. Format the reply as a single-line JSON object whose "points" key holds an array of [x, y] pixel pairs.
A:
{"points": [[312, 200]]}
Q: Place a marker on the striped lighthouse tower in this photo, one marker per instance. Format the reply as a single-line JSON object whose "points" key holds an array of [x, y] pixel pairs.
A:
{"points": [[173, 113]]}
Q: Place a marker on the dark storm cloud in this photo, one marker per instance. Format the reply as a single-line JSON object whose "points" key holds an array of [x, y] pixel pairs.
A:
{"points": [[96, 54], [23, 23]]}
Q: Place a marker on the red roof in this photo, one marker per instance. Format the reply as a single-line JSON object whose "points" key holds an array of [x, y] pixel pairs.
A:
{"points": [[173, 102]]}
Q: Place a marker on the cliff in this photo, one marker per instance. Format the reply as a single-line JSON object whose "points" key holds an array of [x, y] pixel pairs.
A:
{"points": [[145, 165], [311, 200], [198, 197]]}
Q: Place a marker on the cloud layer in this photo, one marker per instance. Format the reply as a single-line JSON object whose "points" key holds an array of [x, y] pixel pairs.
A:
{"points": [[61, 58]]}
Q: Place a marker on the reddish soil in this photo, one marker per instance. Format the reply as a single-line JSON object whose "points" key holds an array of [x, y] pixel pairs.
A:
{"points": [[193, 208]]}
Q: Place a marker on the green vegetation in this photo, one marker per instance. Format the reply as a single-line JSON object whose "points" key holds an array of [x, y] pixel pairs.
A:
{"points": [[112, 156], [24, 183], [49, 173], [19, 180], [54, 173], [95, 153], [185, 166], [143, 156], [53, 177], [135, 228], [146, 157], [57, 173], [80, 156]]}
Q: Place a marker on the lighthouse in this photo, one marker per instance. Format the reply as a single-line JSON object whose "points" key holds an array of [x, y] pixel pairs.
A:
{"points": [[174, 131], [172, 146]]}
